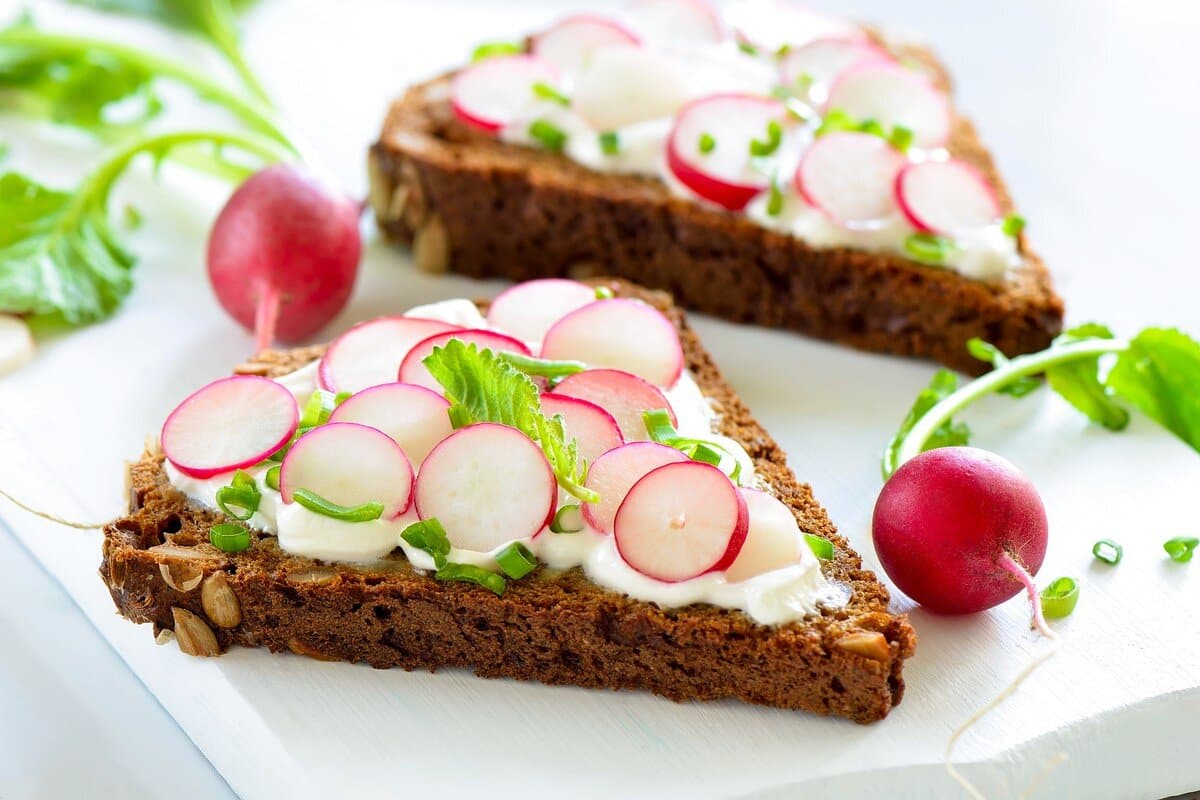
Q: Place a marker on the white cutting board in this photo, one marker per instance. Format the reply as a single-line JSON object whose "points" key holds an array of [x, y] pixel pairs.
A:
{"points": [[1122, 701]]}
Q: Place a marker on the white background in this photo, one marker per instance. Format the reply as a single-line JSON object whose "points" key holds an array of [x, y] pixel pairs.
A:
{"points": [[1091, 110]]}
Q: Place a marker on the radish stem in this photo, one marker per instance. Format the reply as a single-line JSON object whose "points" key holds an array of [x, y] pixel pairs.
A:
{"points": [[265, 317], [83, 526]]}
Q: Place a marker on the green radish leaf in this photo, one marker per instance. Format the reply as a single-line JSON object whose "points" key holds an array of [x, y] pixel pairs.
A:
{"points": [[1079, 382], [1159, 374], [989, 353], [948, 434]]}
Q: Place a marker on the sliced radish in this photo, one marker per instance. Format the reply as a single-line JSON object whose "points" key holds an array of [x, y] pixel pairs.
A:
{"points": [[613, 474], [946, 197], [487, 484], [415, 417], [773, 540], [623, 334], [681, 521], [349, 464], [528, 309], [229, 424], [570, 43], [623, 85], [589, 424], [894, 95], [724, 175], [494, 92], [413, 371], [370, 353], [622, 394], [850, 177], [821, 61], [668, 21], [771, 24]]}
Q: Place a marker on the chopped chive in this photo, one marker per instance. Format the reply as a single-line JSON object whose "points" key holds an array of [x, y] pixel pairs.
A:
{"points": [[836, 120], [516, 561], [133, 217], [1108, 551], [544, 91], [366, 512], [491, 49], [430, 536], [568, 519], [748, 48], [872, 127], [542, 367], [781, 92], [822, 548], [761, 147], [774, 200], [604, 293], [318, 408], [549, 135], [661, 430], [927, 247], [705, 453], [783, 50], [901, 138], [342, 397], [240, 498], [1060, 597], [271, 479], [469, 573], [1012, 225], [658, 425], [230, 537], [803, 84], [610, 143], [707, 143], [1181, 548]]}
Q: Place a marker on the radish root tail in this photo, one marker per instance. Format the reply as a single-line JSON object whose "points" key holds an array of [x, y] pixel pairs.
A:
{"points": [[83, 526], [265, 317], [1009, 564]]}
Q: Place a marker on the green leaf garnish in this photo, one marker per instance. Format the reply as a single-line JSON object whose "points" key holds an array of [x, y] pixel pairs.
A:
{"points": [[1160, 375], [516, 561], [1060, 597], [947, 433], [367, 512], [544, 91], [1108, 551], [229, 537], [493, 49], [1079, 381], [822, 548], [989, 353], [549, 135], [1181, 548]]}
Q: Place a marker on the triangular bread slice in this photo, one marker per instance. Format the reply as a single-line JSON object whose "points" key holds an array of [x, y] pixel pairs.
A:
{"points": [[160, 568]]}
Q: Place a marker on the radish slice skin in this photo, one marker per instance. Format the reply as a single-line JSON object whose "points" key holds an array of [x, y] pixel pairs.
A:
{"points": [[850, 177], [413, 371], [620, 333], [771, 24], [590, 425], [487, 484], [681, 521], [229, 424], [494, 92], [623, 85], [349, 464], [946, 197], [823, 60], [528, 309], [370, 353], [773, 539], [894, 95], [414, 417], [613, 474], [622, 394], [667, 21], [570, 42]]}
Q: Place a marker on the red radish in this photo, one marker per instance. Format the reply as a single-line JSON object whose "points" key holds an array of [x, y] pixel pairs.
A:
{"points": [[770, 25], [413, 371], [570, 43], [620, 333], [821, 61], [850, 177], [415, 417], [229, 424], [528, 309], [893, 95], [623, 395], [946, 197], [349, 464], [773, 540], [590, 425], [623, 85], [681, 521], [487, 484], [492, 93], [667, 21], [370, 353], [613, 474], [725, 175], [283, 254]]}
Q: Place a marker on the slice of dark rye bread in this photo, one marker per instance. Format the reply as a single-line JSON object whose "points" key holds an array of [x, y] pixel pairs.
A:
{"points": [[556, 626], [469, 203]]}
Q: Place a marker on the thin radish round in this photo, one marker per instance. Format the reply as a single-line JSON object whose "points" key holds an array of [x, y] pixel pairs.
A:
{"points": [[349, 464], [723, 125], [681, 521], [946, 197], [894, 95], [590, 425], [569, 43], [623, 85], [528, 309], [620, 333], [370, 353], [771, 25], [229, 424], [773, 540], [413, 371], [487, 484], [415, 417], [492, 93], [622, 394], [850, 177], [668, 21], [820, 62], [613, 474]]}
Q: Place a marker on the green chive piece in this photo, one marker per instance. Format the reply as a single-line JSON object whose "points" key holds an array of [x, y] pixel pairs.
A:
{"points": [[604, 293], [318, 408], [610, 143], [1012, 225], [469, 573], [748, 48], [492, 49], [549, 135], [761, 147], [342, 397], [783, 50], [133, 217], [271, 479], [658, 425], [230, 537], [516, 561], [872, 127], [430, 536], [927, 247], [544, 91], [240, 498], [568, 519], [822, 548], [1108, 551], [901, 138], [543, 367], [319, 505], [707, 143], [803, 84], [1181, 548], [705, 453], [774, 200], [1060, 597], [735, 474], [836, 120]]}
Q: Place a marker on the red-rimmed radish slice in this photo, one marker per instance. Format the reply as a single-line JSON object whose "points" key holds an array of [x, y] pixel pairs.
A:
{"points": [[667, 21], [415, 417], [821, 61], [894, 95], [370, 353], [349, 464], [570, 42], [229, 424], [590, 425], [771, 24], [492, 93], [622, 394], [681, 521], [724, 175], [613, 474], [946, 197], [487, 484], [413, 371], [850, 177], [623, 85], [528, 309], [773, 540], [620, 333]]}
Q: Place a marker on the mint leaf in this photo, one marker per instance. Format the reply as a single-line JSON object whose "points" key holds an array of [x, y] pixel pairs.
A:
{"points": [[1078, 381], [1159, 374], [989, 353], [948, 434]]}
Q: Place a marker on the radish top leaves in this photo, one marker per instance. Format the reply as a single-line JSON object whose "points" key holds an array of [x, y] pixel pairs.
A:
{"points": [[1160, 375], [990, 354], [1079, 382], [949, 433]]}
